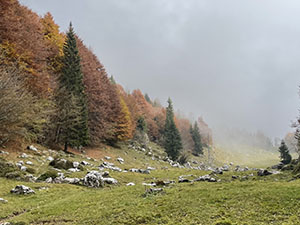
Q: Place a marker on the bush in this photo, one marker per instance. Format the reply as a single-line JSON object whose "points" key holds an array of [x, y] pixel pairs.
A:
{"points": [[15, 175], [183, 159], [49, 173], [61, 164], [30, 170], [6, 167]]}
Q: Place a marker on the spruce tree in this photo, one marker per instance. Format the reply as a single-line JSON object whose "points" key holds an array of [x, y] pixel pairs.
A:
{"points": [[285, 156], [172, 139], [195, 133], [71, 98]]}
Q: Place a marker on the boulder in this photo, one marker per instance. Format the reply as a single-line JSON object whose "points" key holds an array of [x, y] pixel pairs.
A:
{"points": [[22, 190], [84, 163], [29, 163], [76, 164], [107, 157], [110, 180], [69, 180], [263, 172], [3, 200], [24, 155], [23, 168], [32, 148], [50, 158], [93, 179], [120, 160]]}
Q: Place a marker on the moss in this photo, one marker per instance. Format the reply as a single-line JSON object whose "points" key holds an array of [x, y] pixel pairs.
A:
{"points": [[48, 174]]}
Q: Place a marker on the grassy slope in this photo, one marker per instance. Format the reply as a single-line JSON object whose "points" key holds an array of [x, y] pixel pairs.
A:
{"points": [[271, 200]]}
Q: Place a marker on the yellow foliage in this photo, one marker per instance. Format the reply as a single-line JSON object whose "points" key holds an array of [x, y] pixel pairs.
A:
{"points": [[124, 129]]}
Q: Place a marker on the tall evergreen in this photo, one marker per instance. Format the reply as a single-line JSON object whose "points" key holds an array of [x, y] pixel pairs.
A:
{"points": [[285, 156], [195, 133], [172, 139], [74, 106]]}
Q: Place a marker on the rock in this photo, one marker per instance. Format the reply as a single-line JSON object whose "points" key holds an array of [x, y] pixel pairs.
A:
{"points": [[164, 183], [107, 157], [107, 165], [73, 170], [29, 163], [23, 168], [93, 179], [50, 158], [150, 168], [69, 180], [144, 171], [134, 170], [110, 180], [151, 184], [75, 164], [130, 184], [24, 155], [84, 163], [183, 180], [234, 177], [61, 163], [32, 148], [22, 190], [120, 160], [30, 178], [3, 200], [4, 152], [206, 178], [59, 179], [263, 172], [49, 180], [105, 174], [231, 163], [154, 190]]}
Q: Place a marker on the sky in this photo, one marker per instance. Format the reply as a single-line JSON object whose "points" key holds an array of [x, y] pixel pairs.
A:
{"points": [[235, 63]]}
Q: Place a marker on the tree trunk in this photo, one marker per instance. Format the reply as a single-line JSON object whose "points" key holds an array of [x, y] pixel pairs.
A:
{"points": [[66, 147]]}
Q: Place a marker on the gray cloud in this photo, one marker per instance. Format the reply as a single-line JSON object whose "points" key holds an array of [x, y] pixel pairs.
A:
{"points": [[236, 63]]}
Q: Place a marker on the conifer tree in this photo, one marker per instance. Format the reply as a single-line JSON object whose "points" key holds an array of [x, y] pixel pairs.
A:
{"points": [[172, 139], [195, 133], [285, 156], [71, 99]]}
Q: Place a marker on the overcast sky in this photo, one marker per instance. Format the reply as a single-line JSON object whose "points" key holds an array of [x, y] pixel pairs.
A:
{"points": [[236, 63]]}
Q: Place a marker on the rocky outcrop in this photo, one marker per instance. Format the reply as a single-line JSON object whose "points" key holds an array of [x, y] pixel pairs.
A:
{"points": [[22, 190]]}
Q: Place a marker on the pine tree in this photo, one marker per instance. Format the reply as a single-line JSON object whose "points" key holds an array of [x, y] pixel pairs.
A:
{"points": [[285, 156], [172, 139], [71, 99], [148, 98], [195, 133]]}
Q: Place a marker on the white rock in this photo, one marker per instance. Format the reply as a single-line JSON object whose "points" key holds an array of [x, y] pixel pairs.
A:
{"points": [[24, 155], [73, 170], [29, 163], [23, 168], [130, 184], [50, 158], [3, 200], [110, 180], [32, 148], [150, 168], [76, 164], [85, 163], [121, 160], [49, 180], [107, 157], [22, 189]]}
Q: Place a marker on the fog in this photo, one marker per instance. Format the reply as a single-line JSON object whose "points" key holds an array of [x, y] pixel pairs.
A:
{"points": [[236, 63]]}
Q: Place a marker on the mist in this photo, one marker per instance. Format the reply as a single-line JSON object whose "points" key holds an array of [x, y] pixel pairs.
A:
{"points": [[235, 63]]}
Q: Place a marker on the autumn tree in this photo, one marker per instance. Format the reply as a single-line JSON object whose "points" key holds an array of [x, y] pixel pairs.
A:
{"points": [[172, 139], [73, 114]]}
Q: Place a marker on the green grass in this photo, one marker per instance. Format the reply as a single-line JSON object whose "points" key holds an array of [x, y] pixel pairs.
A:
{"points": [[273, 199]]}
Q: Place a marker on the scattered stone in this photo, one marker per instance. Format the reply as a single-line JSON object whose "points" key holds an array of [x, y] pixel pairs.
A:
{"points": [[107, 157], [49, 180], [120, 160], [111, 166], [50, 158], [3, 200], [69, 180], [24, 155], [150, 168], [23, 168], [263, 172], [73, 170], [84, 163], [164, 183], [29, 163], [93, 179], [4, 152], [154, 190], [234, 177], [130, 184], [105, 174], [22, 190], [151, 184], [32, 148], [206, 178], [75, 164], [110, 180], [30, 178]]}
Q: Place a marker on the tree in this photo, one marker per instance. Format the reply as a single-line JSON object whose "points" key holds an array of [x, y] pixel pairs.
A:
{"points": [[285, 156], [71, 99], [195, 133], [172, 139], [148, 98]]}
